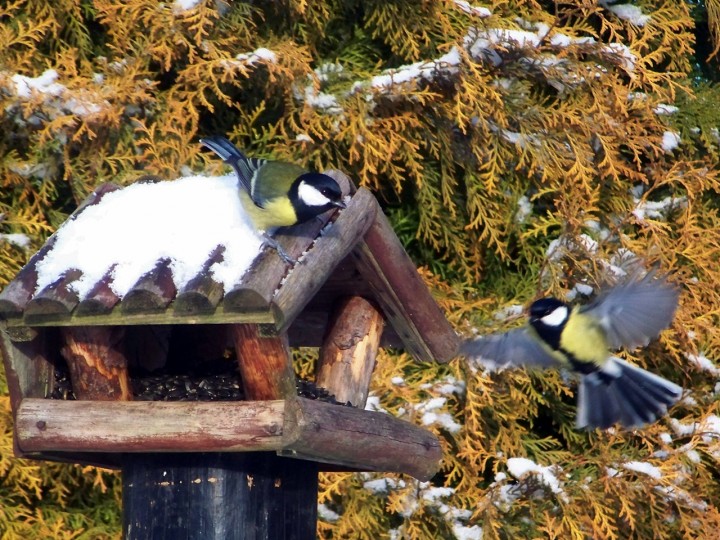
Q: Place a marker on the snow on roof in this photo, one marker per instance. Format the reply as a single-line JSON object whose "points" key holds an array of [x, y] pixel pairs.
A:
{"points": [[131, 229]]}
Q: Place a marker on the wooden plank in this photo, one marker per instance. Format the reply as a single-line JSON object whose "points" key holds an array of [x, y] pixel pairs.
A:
{"points": [[202, 293], [304, 281], [15, 296], [259, 284], [155, 426], [118, 317], [57, 298], [403, 296], [101, 299], [28, 369], [297, 427], [265, 363], [360, 439], [153, 292], [97, 363], [347, 356]]}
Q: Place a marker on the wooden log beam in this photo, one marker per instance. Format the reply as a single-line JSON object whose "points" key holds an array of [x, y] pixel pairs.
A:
{"points": [[403, 296], [101, 299], [56, 299], [265, 363], [202, 293], [347, 356], [16, 294], [296, 427], [153, 292], [155, 426], [97, 362], [301, 284], [359, 439]]}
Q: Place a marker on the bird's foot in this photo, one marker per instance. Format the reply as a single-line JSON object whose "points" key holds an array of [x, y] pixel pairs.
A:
{"points": [[271, 242]]}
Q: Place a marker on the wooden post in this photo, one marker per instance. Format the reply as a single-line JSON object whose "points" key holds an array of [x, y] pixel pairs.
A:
{"points": [[223, 496], [97, 363], [347, 356], [226, 496], [265, 363]]}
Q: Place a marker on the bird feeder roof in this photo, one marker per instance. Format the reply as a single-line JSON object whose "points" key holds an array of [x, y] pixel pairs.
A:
{"points": [[348, 252]]}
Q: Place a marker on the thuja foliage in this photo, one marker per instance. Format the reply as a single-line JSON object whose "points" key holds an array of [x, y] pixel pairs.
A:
{"points": [[520, 147]]}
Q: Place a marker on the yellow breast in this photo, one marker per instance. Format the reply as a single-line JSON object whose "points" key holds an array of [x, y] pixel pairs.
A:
{"points": [[277, 213], [584, 339]]}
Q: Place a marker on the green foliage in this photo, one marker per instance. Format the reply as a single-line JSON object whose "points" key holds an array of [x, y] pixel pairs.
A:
{"points": [[521, 149]]}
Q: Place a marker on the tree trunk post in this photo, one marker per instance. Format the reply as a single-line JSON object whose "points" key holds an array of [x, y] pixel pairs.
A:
{"points": [[347, 356], [219, 496]]}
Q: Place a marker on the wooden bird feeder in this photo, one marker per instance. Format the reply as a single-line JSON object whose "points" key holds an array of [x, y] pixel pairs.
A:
{"points": [[208, 469]]}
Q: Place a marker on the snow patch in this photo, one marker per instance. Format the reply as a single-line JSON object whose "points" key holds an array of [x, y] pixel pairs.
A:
{"points": [[644, 468], [16, 239], [131, 229], [326, 514], [521, 467], [670, 141], [628, 12], [465, 7], [704, 363]]}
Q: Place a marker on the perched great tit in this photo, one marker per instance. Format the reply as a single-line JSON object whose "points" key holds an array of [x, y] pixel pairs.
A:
{"points": [[276, 194], [611, 391]]}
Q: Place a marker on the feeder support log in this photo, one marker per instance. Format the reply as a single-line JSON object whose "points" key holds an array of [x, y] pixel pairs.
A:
{"points": [[97, 363], [265, 363], [347, 356]]}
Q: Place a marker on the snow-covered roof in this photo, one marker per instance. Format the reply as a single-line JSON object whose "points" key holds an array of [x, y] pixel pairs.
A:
{"points": [[184, 252]]}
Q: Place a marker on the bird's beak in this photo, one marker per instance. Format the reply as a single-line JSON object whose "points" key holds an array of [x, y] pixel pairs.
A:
{"points": [[339, 204]]}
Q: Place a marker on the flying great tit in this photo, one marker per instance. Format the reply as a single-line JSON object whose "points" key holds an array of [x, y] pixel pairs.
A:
{"points": [[611, 390], [277, 194]]}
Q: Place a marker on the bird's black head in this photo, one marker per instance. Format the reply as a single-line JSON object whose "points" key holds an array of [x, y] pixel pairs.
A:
{"points": [[548, 317], [313, 193]]}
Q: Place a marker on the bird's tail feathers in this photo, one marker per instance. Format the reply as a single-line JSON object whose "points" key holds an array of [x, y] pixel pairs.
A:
{"points": [[244, 166], [624, 394], [227, 151]]}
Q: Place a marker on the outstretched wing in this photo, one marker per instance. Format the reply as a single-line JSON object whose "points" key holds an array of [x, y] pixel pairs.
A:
{"points": [[517, 347], [246, 168], [634, 312]]}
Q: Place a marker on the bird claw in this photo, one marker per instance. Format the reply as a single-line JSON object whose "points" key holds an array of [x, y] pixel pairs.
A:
{"points": [[272, 243]]}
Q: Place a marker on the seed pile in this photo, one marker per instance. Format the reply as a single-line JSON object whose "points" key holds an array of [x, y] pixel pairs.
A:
{"points": [[224, 386]]}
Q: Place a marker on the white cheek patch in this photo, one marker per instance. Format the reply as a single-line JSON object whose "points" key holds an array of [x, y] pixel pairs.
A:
{"points": [[556, 317], [311, 196]]}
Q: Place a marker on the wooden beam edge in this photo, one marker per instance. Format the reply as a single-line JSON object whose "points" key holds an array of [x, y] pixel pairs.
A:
{"points": [[359, 439], [296, 427], [383, 256], [327, 251], [46, 425]]}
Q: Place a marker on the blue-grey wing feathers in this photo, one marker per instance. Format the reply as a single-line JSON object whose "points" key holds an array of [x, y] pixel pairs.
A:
{"points": [[625, 394], [634, 312], [514, 348]]}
